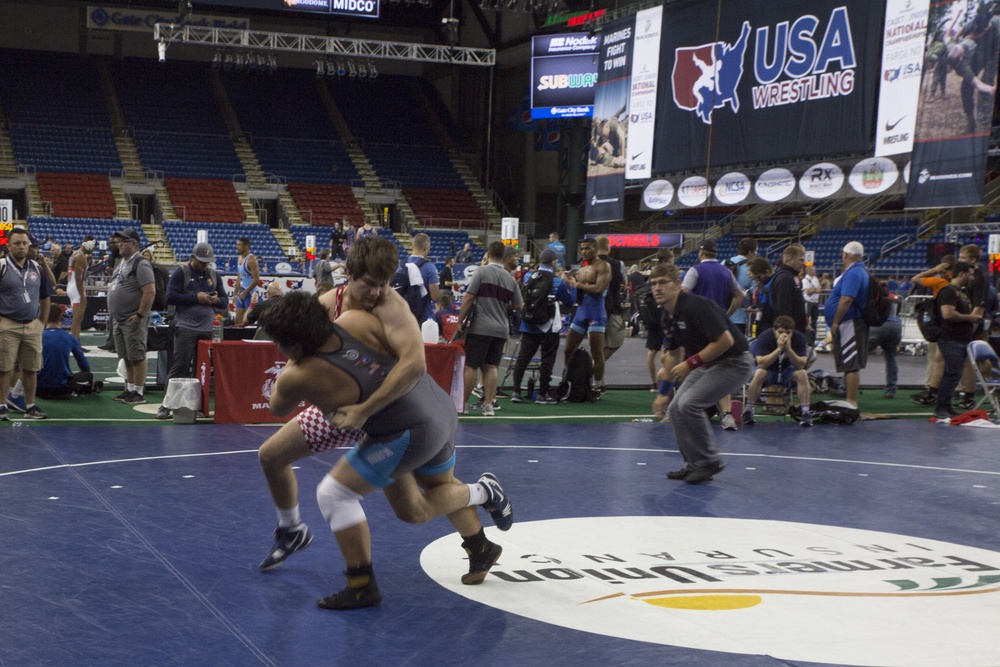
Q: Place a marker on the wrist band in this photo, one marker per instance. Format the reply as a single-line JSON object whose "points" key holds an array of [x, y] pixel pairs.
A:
{"points": [[694, 361], [665, 387]]}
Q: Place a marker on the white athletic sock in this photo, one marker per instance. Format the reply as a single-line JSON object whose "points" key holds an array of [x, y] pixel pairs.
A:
{"points": [[139, 388], [477, 494], [805, 408], [288, 518], [17, 391], [129, 386]]}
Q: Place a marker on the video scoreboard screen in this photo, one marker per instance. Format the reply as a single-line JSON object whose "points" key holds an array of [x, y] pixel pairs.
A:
{"points": [[358, 8], [563, 75], [6, 218]]}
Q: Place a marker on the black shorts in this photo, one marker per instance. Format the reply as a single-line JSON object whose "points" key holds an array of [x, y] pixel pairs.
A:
{"points": [[654, 338], [483, 350]]}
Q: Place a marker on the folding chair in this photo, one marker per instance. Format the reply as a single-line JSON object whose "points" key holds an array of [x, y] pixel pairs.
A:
{"points": [[980, 351]]}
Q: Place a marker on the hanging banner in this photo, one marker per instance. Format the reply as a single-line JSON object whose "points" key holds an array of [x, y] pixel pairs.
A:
{"points": [[902, 61], [953, 127], [766, 80], [563, 75], [642, 100], [606, 157]]}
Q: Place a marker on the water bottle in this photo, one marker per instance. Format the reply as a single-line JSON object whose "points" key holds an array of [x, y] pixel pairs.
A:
{"points": [[531, 389], [217, 329]]}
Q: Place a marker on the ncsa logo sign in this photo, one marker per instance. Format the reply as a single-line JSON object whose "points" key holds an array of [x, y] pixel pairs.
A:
{"points": [[797, 592], [706, 77]]}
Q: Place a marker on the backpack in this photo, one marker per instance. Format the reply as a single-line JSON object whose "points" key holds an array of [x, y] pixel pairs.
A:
{"points": [[30, 262], [828, 412], [879, 306], [539, 306], [577, 378], [928, 319], [734, 266], [649, 311], [161, 277], [415, 298]]}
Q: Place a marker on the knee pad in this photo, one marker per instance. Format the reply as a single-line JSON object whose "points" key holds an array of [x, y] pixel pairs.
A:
{"points": [[340, 506]]}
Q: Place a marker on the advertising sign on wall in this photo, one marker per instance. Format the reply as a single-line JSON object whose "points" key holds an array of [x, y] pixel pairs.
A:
{"points": [[563, 75], [902, 63]]}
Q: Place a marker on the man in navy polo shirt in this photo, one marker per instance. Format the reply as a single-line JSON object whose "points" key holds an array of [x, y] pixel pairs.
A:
{"points": [[717, 363], [24, 299]]}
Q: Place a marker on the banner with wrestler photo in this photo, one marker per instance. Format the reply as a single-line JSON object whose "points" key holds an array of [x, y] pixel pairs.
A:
{"points": [[956, 105], [606, 156]]}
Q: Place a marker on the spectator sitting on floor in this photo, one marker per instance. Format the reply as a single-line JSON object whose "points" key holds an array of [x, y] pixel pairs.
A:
{"points": [[56, 380], [781, 356]]}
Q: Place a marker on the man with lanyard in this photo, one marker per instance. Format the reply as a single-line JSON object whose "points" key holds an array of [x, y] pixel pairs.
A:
{"points": [[130, 298], [249, 274], [978, 291], [24, 299], [195, 292], [845, 316], [718, 363]]}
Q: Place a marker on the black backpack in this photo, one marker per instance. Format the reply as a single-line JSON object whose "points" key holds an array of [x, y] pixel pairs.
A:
{"points": [[928, 319], [577, 378], [649, 311], [411, 293], [539, 306], [161, 277], [734, 266], [879, 306], [828, 412]]}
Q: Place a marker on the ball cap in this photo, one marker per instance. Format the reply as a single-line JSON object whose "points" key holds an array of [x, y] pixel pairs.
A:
{"points": [[547, 256], [854, 248], [709, 245], [128, 233], [203, 252]]}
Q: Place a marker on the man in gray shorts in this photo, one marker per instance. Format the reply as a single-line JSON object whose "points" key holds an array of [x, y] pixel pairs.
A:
{"points": [[406, 447], [130, 298]]}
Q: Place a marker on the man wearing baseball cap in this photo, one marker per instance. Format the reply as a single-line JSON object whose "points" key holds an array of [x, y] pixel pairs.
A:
{"points": [[194, 290], [844, 313], [130, 298]]}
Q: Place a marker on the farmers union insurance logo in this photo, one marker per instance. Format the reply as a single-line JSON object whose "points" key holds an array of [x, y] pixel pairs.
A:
{"points": [[798, 592]]}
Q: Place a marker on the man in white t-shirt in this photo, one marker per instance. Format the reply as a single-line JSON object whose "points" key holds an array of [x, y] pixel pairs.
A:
{"points": [[810, 290]]}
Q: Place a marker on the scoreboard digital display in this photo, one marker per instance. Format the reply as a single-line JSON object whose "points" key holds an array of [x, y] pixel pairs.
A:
{"points": [[563, 75], [6, 218]]}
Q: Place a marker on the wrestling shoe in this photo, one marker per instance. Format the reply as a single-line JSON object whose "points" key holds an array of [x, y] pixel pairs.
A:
{"points": [[287, 540], [480, 562], [748, 418], [807, 421], [16, 404], [357, 596], [497, 503], [34, 413], [477, 391], [728, 423]]}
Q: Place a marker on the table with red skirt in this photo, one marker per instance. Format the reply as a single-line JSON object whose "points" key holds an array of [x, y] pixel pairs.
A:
{"points": [[242, 374]]}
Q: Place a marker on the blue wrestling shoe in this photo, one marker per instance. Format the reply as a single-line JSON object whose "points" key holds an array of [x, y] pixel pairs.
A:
{"points": [[286, 542], [16, 404], [497, 503]]}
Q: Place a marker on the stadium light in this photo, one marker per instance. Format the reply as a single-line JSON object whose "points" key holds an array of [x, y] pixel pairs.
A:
{"points": [[352, 69], [162, 49], [362, 71], [372, 72], [217, 60], [320, 69]]}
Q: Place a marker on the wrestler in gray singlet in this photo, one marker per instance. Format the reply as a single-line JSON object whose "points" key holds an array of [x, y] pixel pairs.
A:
{"points": [[416, 432]]}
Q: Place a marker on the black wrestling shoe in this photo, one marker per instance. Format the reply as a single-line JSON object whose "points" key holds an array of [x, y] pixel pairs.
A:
{"points": [[354, 597], [704, 473], [287, 541], [497, 503], [480, 562]]}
